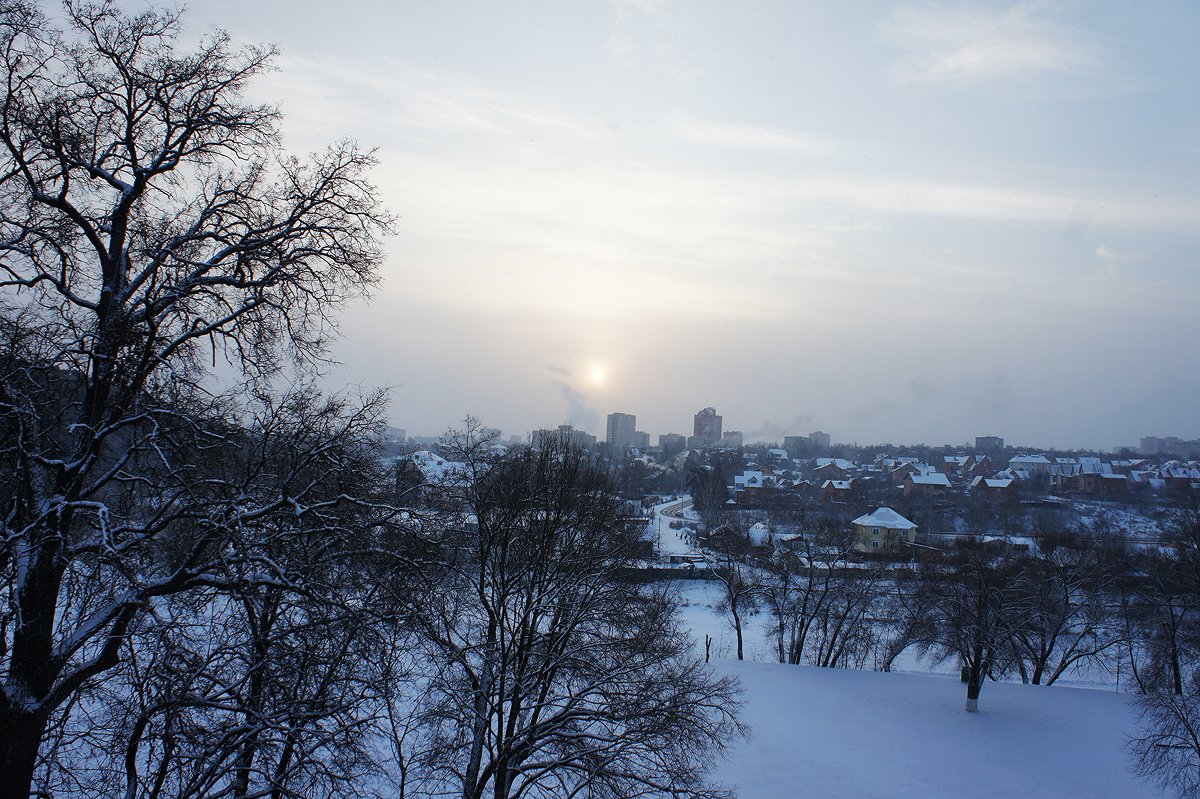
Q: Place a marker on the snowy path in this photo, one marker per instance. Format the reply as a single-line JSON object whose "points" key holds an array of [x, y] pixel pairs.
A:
{"points": [[670, 542]]}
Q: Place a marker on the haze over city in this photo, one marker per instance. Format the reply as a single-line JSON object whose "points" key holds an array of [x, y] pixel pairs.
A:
{"points": [[892, 221]]}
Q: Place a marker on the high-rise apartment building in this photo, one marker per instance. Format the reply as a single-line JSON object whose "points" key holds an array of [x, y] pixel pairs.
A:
{"points": [[622, 431], [707, 427]]}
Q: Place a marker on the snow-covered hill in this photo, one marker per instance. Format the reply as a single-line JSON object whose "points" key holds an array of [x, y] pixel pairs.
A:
{"points": [[840, 733]]}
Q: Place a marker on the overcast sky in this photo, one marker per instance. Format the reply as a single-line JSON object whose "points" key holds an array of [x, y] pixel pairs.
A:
{"points": [[901, 222]]}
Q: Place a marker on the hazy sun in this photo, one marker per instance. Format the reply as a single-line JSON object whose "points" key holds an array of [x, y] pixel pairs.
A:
{"points": [[597, 374]]}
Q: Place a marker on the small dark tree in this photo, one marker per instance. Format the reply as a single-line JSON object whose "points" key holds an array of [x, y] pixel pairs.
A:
{"points": [[741, 592], [708, 491]]}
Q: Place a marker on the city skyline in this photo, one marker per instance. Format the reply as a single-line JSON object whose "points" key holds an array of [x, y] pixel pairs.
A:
{"points": [[911, 221]]}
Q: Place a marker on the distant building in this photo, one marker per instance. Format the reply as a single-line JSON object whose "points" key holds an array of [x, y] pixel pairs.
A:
{"points": [[641, 440], [706, 428], [1170, 445], [819, 439], [796, 444], [672, 443], [566, 434], [622, 431], [731, 439], [989, 444], [1031, 464]]}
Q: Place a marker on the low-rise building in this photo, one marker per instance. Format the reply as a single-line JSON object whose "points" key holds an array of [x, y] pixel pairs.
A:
{"points": [[882, 530], [935, 485]]}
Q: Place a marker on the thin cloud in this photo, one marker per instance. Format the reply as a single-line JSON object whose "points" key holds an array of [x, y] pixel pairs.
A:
{"points": [[946, 44], [1115, 259], [1110, 254], [641, 33], [745, 136], [425, 99]]}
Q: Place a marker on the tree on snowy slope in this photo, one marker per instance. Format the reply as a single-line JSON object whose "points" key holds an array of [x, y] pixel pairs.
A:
{"points": [[820, 609], [1068, 623], [975, 607], [1166, 749], [555, 676], [149, 224]]}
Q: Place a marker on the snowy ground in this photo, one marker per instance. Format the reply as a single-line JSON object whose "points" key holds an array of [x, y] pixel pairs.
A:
{"points": [[842, 733], [1129, 521]]}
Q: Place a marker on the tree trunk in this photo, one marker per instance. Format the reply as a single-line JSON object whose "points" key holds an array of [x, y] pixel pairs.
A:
{"points": [[975, 680], [737, 628], [20, 737], [1176, 671], [973, 687]]}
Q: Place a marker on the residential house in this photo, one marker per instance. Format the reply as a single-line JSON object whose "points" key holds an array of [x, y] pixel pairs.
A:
{"points": [[1033, 464], [953, 464], [882, 530], [934, 486], [836, 491], [831, 471], [999, 491], [977, 466]]}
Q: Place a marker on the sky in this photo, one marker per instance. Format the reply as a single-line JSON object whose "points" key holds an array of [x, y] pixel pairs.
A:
{"points": [[892, 221]]}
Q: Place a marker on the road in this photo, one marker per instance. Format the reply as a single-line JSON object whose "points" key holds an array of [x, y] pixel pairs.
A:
{"points": [[669, 541]]}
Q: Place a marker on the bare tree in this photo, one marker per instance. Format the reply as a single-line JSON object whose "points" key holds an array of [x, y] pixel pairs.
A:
{"points": [[975, 610], [1068, 621], [1166, 750], [1161, 610], [821, 606], [741, 589], [148, 224], [556, 677]]}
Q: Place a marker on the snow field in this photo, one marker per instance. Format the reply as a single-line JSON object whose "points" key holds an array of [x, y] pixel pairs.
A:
{"points": [[844, 733]]}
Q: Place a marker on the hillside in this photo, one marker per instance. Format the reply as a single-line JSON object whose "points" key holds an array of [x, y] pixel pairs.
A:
{"points": [[841, 733]]}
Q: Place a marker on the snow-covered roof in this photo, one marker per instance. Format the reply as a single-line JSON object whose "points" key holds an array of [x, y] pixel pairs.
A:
{"points": [[1028, 460], [933, 479], [437, 469], [885, 517], [759, 534], [748, 478], [990, 482], [841, 463], [837, 485]]}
